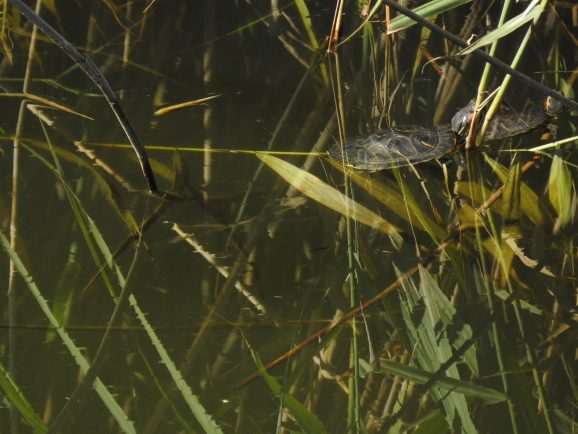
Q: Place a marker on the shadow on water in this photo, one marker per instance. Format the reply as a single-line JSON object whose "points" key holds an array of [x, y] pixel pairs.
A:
{"points": [[437, 297]]}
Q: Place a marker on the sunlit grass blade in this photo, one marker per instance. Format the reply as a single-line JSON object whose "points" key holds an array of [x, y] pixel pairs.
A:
{"points": [[307, 23], [182, 105], [532, 12], [18, 400], [427, 10], [506, 296], [47, 102], [315, 189], [115, 410], [212, 259], [449, 384], [561, 192], [555, 144]]}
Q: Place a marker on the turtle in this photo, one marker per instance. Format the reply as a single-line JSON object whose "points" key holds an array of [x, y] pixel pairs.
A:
{"points": [[399, 146], [405, 145], [508, 122]]}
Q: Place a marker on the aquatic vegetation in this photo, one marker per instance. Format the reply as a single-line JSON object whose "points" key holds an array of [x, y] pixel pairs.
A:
{"points": [[268, 287]]}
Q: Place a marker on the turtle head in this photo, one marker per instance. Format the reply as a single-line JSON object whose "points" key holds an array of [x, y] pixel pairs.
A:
{"points": [[552, 107], [462, 120]]}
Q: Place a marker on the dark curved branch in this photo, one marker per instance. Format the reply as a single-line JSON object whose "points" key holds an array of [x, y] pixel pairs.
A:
{"points": [[89, 67]]}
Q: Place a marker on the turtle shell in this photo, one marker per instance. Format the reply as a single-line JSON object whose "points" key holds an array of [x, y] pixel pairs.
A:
{"points": [[392, 147], [508, 122]]}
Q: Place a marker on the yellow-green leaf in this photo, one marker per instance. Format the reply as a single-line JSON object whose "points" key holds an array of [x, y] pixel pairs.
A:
{"points": [[427, 10], [319, 191], [511, 196], [529, 201], [560, 191], [533, 12]]}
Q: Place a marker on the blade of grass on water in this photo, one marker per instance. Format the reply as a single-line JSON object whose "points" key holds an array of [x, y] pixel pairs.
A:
{"points": [[315, 189]]}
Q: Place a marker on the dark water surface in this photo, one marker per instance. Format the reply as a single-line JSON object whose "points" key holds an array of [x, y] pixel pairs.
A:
{"points": [[287, 255]]}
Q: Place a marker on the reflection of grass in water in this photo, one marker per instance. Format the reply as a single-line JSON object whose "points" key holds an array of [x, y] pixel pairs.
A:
{"points": [[465, 257]]}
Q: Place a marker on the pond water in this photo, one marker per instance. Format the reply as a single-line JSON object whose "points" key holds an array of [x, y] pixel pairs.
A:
{"points": [[238, 266]]}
